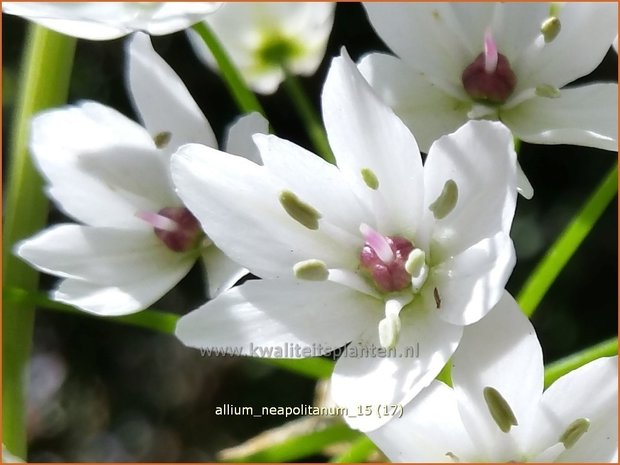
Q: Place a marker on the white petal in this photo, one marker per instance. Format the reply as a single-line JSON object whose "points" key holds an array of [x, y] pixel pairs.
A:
{"points": [[60, 139], [237, 203], [587, 31], [70, 19], [586, 115], [486, 204], [500, 351], [312, 178], [365, 134], [239, 136], [524, 187], [222, 273], [123, 299], [429, 429], [591, 392], [101, 21], [270, 314], [428, 111], [425, 345], [471, 283], [161, 99], [104, 256]]}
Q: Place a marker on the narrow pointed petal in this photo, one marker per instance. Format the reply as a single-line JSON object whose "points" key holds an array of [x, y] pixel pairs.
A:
{"points": [[221, 272], [429, 430], [105, 256], [239, 136], [500, 351], [270, 314], [162, 100], [428, 111], [238, 204], [585, 115], [425, 344], [59, 141], [365, 134], [591, 392], [486, 204]]}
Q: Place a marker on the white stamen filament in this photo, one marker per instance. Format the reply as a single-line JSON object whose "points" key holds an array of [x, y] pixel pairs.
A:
{"points": [[351, 280], [490, 53], [378, 242], [158, 221], [418, 269]]}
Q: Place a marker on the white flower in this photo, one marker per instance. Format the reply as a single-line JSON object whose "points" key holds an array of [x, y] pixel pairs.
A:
{"points": [[112, 174], [504, 61], [110, 20], [498, 412], [264, 38], [379, 252]]}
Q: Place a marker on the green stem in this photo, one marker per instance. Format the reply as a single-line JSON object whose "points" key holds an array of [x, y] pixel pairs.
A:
{"points": [[245, 98], [46, 73], [309, 116], [567, 243], [360, 451], [559, 368]]}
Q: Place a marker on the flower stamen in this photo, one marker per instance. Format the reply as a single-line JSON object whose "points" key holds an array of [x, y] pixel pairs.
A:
{"points": [[550, 28], [499, 409], [304, 214], [311, 270], [574, 432], [446, 201]]}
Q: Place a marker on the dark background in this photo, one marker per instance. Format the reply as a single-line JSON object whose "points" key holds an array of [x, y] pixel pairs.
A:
{"points": [[101, 391]]}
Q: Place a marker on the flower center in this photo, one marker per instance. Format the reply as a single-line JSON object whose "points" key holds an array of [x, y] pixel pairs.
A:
{"points": [[385, 257], [176, 227], [489, 79]]}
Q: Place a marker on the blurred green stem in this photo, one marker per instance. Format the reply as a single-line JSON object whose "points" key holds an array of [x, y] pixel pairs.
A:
{"points": [[556, 258], [44, 82], [311, 120], [360, 451], [559, 368], [245, 98]]}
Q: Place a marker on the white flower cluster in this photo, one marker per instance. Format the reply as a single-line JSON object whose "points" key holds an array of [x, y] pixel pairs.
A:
{"points": [[382, 249]]}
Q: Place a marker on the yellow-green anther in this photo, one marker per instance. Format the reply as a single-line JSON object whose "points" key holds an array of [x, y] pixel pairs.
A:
{"points": [[415, 261], [389, 330], [162, 139], [546, 90], [300, 211], [446, 201], [550, 28], [574, 431], [370, 178], [499, 409], [311, 270]]}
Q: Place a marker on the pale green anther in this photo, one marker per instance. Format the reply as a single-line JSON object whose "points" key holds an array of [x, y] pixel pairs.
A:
{"points": [[546, 90], [389, 330], [499, 409], [550, 28], [311, 270], [370, 178], [162, 139], [415, 261], [446, 201], [300, 211], [574, 431]]}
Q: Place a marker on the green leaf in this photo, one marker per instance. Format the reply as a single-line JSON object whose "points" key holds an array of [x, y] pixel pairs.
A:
{"points": [[556, 258]]}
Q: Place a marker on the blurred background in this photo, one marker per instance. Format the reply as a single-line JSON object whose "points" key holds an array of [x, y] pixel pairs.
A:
{"points": [[102, 391]]}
